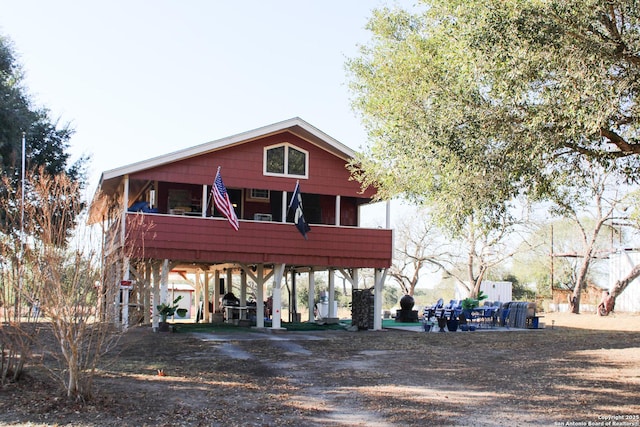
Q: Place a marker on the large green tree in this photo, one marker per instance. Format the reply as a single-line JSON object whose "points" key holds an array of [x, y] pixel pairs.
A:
{"points": [[471, 104], [46, 156], [47, 142]]}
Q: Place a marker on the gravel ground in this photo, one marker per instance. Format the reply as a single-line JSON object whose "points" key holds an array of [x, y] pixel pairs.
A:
{"points": [[580, 369]]}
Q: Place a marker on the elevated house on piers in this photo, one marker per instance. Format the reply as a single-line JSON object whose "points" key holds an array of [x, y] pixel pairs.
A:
{"points": [[158, 218]]}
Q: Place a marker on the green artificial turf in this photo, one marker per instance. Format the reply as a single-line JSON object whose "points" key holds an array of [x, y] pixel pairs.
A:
{"points": [[226, 327]]}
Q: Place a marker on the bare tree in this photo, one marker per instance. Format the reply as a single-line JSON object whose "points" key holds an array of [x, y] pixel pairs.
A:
{"points": [[418, 246], [590, 201], [62, 273], [19, 301], [65, 272], [422, 244], [485, 249]]}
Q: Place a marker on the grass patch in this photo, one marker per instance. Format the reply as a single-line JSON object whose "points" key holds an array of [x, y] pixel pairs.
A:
{"points": [[391, 323]]}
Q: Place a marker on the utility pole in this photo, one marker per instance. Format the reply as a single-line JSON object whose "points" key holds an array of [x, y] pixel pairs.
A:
{"points": [[551, 262], [18, 307]]}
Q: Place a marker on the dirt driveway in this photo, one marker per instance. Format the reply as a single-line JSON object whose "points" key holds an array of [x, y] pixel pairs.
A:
{"points": [[584, 370]]}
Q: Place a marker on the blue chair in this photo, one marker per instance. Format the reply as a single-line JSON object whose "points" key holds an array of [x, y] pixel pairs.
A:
{"points": [[457, 308], [495, 312], [449, 309], [438, 308], [488, 313], [434, 310], [504, 317]]}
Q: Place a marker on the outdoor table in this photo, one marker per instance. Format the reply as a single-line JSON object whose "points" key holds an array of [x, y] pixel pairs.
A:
{"points": [[229, 310]]}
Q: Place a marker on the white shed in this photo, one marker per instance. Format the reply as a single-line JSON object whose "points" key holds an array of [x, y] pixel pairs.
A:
{"points": [[495, 291], [620, 264]]}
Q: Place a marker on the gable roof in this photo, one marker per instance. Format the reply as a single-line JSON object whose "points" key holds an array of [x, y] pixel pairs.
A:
{"points": [[295, 125], [111, 179]]}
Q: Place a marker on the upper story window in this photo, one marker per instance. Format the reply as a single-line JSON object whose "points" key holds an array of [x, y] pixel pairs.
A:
{"points": [[286, 159]]}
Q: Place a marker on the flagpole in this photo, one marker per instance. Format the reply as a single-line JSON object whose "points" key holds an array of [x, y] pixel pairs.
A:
{"points": [[21, 265], [294, 192], [214, 183], [24, 161]]}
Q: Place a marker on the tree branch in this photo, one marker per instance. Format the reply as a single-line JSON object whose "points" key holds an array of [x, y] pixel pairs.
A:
{"points": [[625, 147]]}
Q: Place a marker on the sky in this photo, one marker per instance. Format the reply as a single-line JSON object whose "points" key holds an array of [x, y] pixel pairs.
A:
{"points": [[142, 78]]}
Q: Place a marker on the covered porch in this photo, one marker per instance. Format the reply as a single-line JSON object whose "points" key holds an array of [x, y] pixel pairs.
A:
{"points": [[248, 283], [216, 260]]}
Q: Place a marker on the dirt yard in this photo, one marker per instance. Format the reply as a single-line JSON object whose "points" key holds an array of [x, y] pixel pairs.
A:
{"points": [[585, 370]]}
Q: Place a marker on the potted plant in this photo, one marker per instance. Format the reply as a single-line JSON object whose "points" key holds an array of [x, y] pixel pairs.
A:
{"points": [[471, 303], [452, 323], [468, 304], [462, 321], [167, 310]]}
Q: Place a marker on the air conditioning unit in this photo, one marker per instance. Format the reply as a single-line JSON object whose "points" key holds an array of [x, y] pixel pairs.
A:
{"points": [[262, 217]]}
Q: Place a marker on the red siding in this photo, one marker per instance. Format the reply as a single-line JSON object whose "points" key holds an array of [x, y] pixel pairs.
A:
{"points": [[212, 240], [242, 168]]}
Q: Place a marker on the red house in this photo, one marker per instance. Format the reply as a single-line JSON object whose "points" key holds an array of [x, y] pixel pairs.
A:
{"points": [[159, 218]]}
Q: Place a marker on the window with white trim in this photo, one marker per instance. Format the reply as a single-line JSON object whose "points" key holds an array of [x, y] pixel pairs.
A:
{"points": [[286, 159]]}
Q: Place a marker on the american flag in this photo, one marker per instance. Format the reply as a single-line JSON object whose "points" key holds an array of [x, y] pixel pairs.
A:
{"points": [[222, 202]]}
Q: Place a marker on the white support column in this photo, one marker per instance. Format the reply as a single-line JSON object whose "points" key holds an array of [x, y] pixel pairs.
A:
{"points": [[229, 282], [164, 283], [125, 307], [216, 291], [388, 214], [277, 297], [205, 199], [124, 294], [125, 206], [146, 298], [156, 295], [243, 288], [312, 294], [332, 293], [206, 299], [337, 210], [259, 279], [379, 277], [198, 295], [284, 207], [355, 278]]}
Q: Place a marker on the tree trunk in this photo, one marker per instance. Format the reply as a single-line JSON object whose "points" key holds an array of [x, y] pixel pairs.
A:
{"points": [[72, 386], [580, 283], [586, 260], [477, 282], [622, 284]]}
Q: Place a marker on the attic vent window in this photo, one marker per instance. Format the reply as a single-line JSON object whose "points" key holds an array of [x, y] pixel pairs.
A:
{"points": [[286, 159]]}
